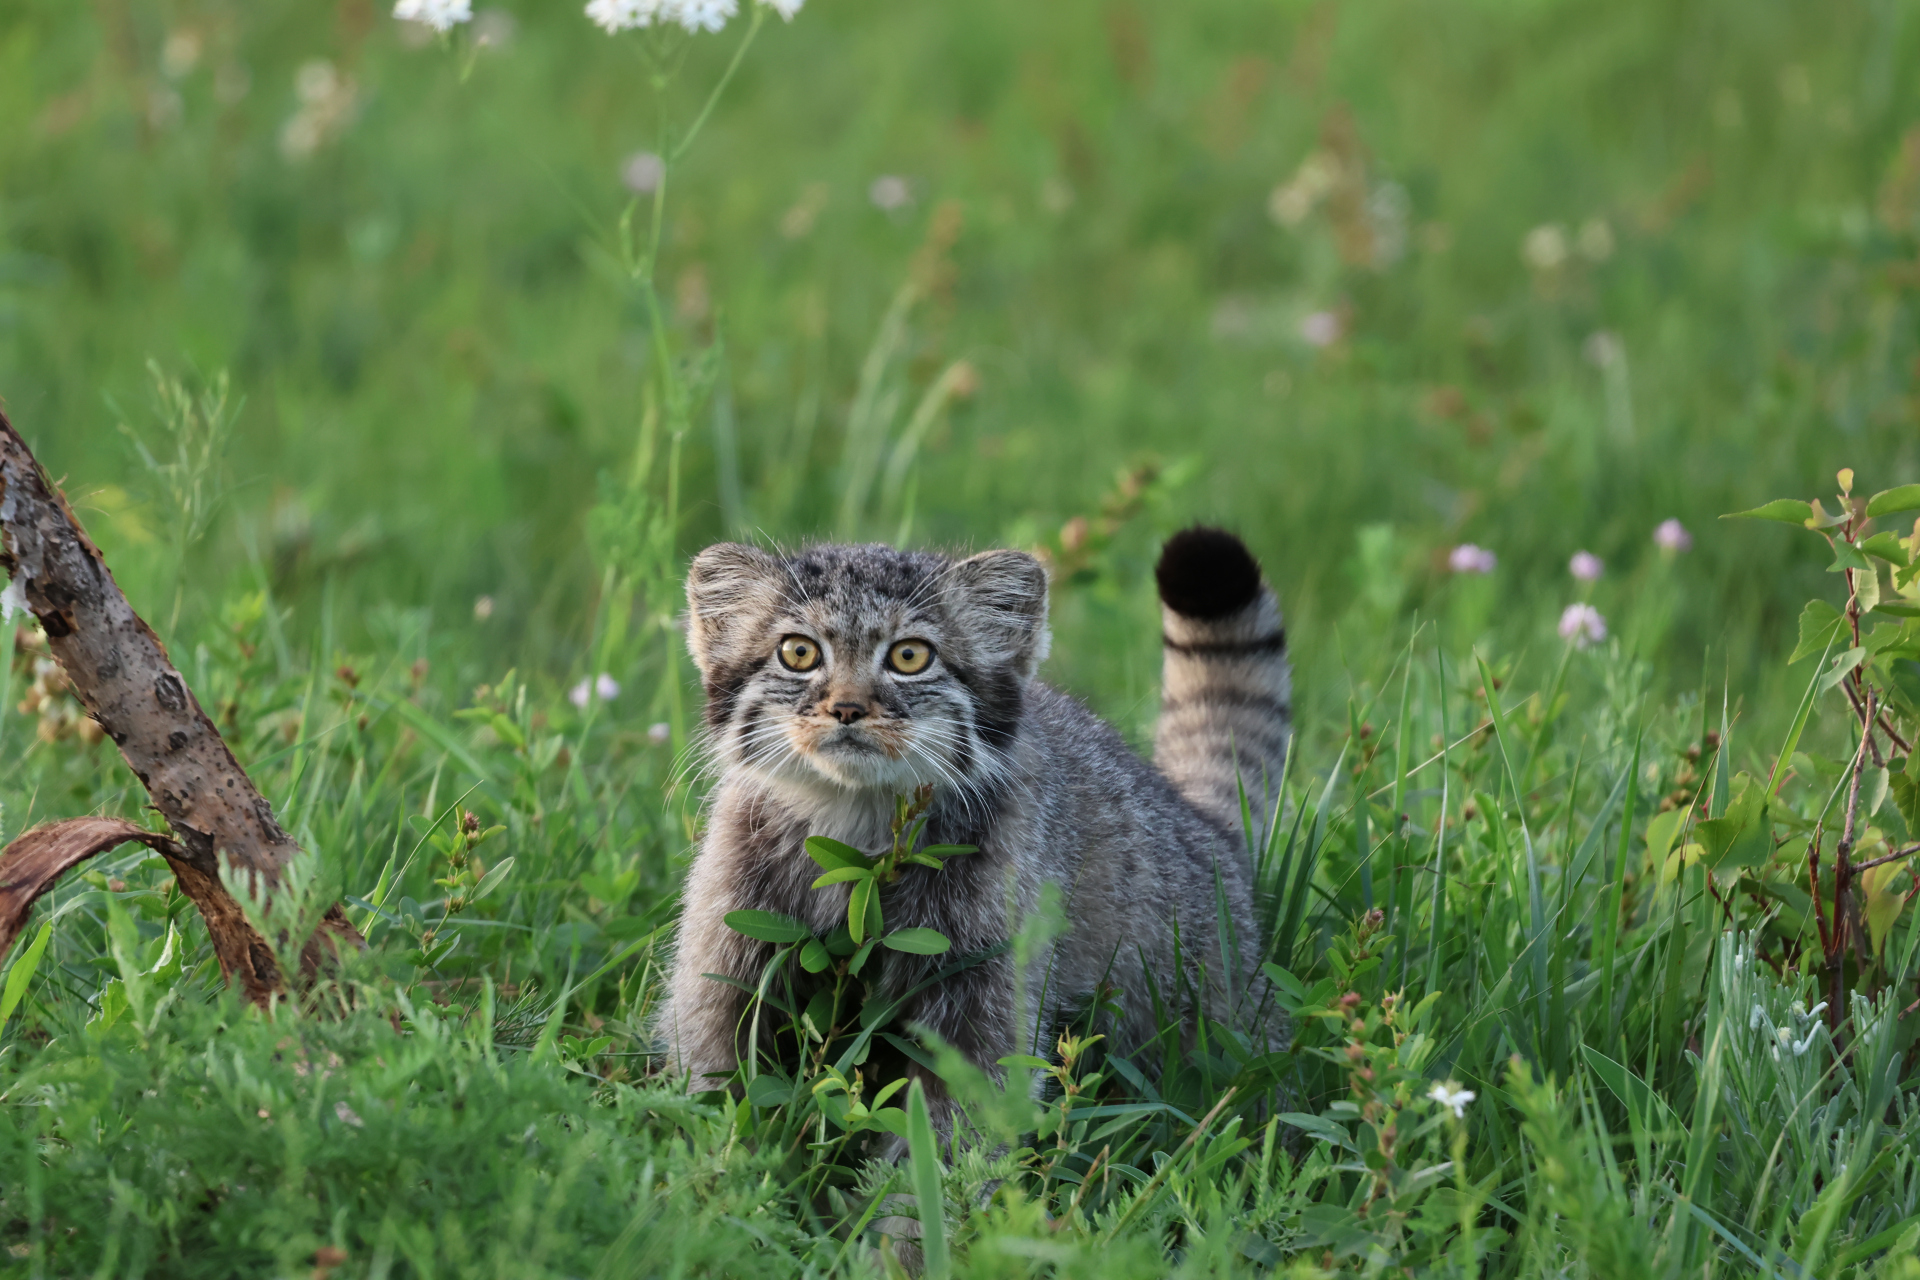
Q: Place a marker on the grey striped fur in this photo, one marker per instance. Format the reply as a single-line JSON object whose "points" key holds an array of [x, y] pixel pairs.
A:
{"points": [[1140, 855]]}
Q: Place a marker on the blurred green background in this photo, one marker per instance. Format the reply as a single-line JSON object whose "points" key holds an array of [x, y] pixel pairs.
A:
{"points": [[1364, 281]]}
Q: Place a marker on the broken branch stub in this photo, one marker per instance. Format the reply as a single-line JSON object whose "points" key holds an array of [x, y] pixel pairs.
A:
{"points": [[120, 672]]}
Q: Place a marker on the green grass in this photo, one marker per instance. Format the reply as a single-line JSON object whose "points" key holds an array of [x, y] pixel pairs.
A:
{"points": [[444, 386]]}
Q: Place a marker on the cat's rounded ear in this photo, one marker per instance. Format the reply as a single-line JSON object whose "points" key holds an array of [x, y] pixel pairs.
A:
{"points": [[1002, 602], [731, 589]]}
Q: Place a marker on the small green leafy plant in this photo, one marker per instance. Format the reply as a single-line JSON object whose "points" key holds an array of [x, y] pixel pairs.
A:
{"points": [[1868, 650], [866, 924]]}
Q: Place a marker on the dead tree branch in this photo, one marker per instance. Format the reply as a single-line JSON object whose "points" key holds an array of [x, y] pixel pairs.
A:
{"points": [[121, 674]]}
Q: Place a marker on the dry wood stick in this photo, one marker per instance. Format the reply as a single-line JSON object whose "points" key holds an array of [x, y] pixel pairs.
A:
{"points": [[120, 672]]}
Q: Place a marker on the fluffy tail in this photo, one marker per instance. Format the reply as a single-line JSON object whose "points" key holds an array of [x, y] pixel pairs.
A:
{"points": [[1226, 694]]}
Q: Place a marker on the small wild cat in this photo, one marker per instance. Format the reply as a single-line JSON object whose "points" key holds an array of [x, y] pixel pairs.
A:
{"points": [[843, 676]]}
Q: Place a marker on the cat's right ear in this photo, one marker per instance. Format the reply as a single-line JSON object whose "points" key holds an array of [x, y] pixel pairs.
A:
{"points": [[1002, 600], [732, 591]]}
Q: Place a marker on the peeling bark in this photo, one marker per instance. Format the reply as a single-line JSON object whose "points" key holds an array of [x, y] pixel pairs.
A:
{"points": [[34, 862], [120, 672]]}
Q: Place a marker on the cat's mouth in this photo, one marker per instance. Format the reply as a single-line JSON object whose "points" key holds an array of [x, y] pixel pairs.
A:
{"points": [[846, 743]]}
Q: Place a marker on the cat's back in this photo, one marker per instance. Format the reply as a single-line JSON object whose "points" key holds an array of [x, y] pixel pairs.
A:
{"points": [[1106, 800]]}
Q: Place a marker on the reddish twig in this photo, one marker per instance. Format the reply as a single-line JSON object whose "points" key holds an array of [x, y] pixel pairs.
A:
{"points": [[1907, 852]]}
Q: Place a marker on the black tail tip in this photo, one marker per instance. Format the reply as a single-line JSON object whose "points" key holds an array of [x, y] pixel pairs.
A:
{"points": [[1207, 573]]}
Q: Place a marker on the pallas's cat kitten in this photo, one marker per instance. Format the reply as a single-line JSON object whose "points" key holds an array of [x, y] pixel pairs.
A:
{"points": [[842, 677]]}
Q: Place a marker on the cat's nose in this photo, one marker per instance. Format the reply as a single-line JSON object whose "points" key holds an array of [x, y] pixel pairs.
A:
{"points": [[847, 712]]}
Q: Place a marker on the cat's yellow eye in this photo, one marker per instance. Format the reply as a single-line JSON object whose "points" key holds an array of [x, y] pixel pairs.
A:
{"points": [[909, 657], [797, 653]]}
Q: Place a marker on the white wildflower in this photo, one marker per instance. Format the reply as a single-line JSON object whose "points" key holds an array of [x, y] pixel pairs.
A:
{"points": [[1545, 248], [1321, 328], [606, 687], [348, 1115], [643, 172], [889, 192], [660, 734], [1582, 625], [14, 599], [1586, 566], [1467, 558], [614, 16], [441, 15], [1452, 1096], [1293, 200], [1784, 1035], [785, 8], [180, 54], [1603, 348], [706, 15]]}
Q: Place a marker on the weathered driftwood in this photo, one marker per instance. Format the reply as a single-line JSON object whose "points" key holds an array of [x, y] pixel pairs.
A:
{"points": [[120, 672]]}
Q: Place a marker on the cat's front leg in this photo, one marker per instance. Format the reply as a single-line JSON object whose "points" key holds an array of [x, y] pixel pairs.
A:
{"points": [[701, 1022], [974, 1012]]}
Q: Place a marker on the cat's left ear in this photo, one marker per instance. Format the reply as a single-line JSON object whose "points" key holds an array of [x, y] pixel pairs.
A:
{"points": [[1001, 600], [732, 590]]}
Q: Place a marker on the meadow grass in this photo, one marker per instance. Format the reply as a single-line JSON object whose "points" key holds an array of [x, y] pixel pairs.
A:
{"points": [[1559, 272]]}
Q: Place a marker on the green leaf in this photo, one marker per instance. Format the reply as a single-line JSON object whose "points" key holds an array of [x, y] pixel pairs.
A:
{"points": [[1735, 831], [583, 1050], [1903, 498], [1784, 510], [1841, 665], [768, 926], [950, 850], [1888, 547], [1886, 896], [1898, 608], [1820, 625], [857, 909], [840, 875], [23, 971], [814, 957], [924, 1150], [860, 957], [491, 881], [1866, 588], [1847, 556], [832, 855], [1024, 1060], [1646, 1108], [892, 1119], [1874, 782], [1894, 637], [919, 942], [1905, 788], [769, 1091], [1661, 829], [507, 731]]}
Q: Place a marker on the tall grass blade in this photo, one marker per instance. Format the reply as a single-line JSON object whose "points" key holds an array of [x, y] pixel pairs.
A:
{"points": [[924, 1150]]}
